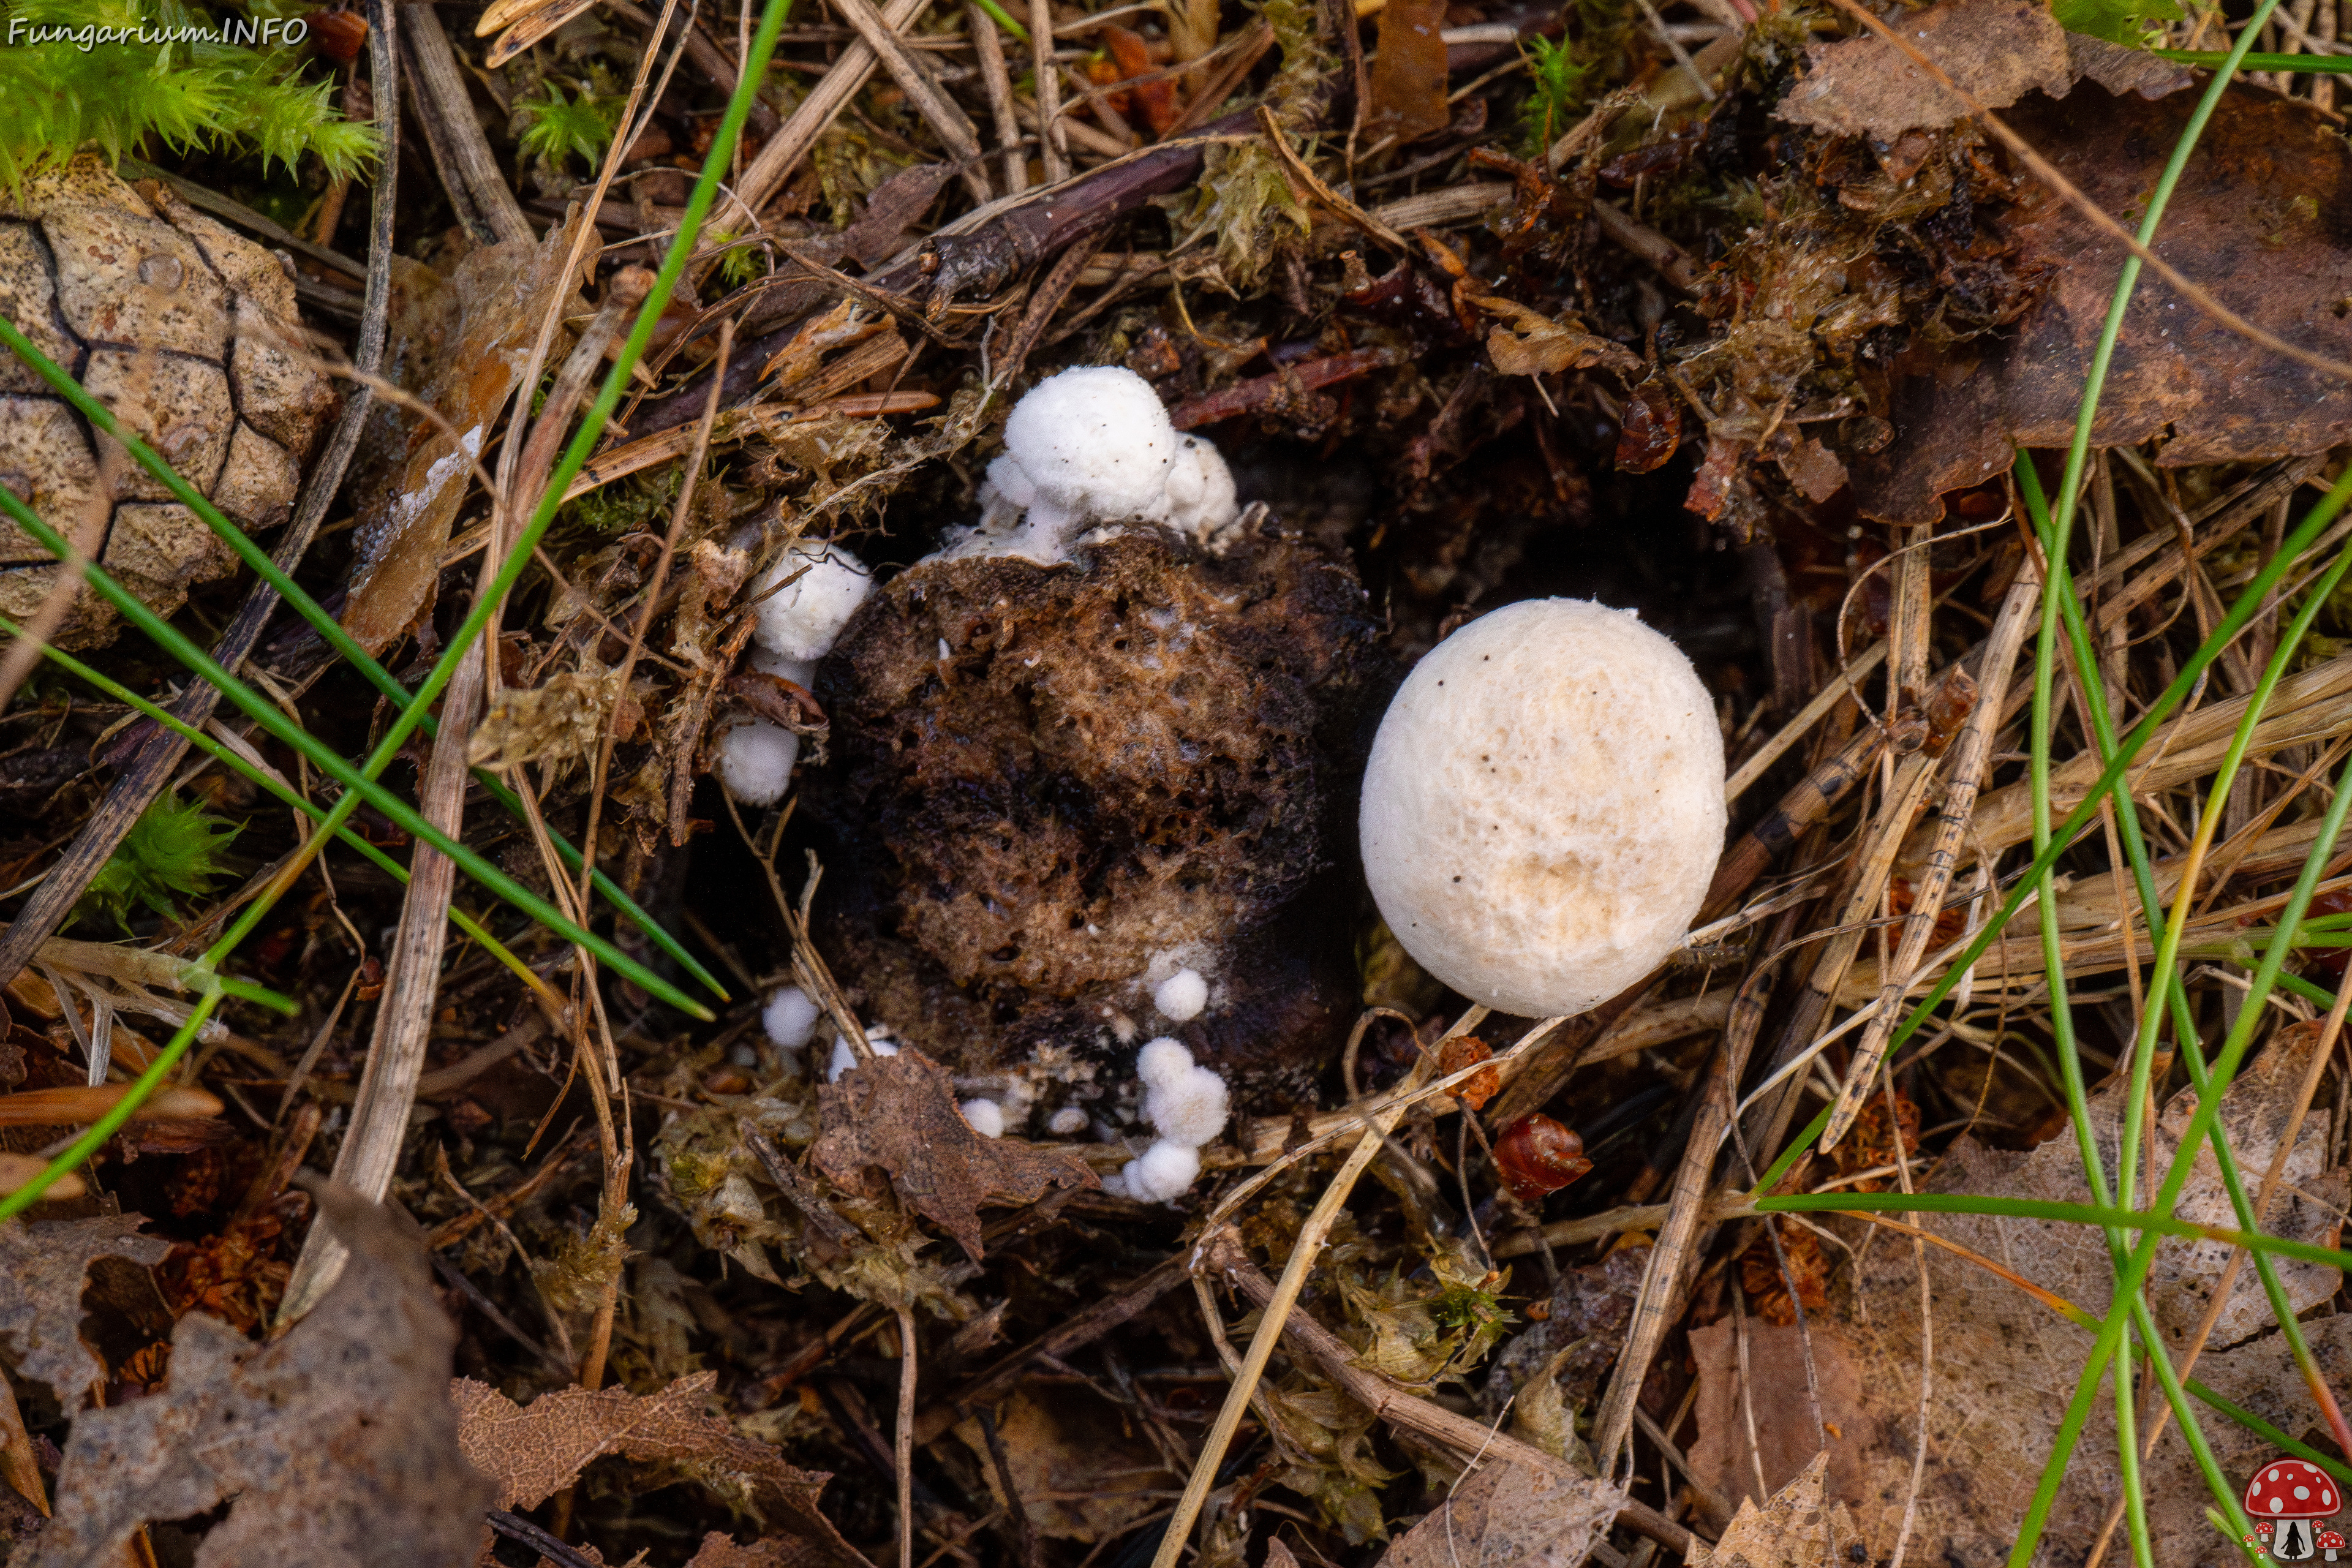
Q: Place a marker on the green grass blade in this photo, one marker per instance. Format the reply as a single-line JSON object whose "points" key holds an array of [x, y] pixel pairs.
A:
{"points": [[2312, 64], [275, 786], [95, 1136], [270, 718], [2202, 1125], [324, 623], [2152, 1225]]}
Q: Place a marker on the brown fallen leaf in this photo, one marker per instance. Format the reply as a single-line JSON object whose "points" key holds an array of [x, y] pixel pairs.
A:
{"points": [[501, 293], [1534, 344], [531, 1452], [2253, 223], [559, 720], [1082, 1472], [338, 1442], [1408, 80], [899, 1113], [1998, 50], [2005, 1365], [42, 1268], [1504, 1515], [1792, 1530], [720, 1551]]}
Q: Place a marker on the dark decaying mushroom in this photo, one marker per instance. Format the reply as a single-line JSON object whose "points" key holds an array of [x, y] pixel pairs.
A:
{"points": [[1046, 779]]}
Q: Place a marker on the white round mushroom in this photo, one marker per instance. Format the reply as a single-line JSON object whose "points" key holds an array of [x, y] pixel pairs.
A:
{"points": [[790, 1017], [1182, 996], [1093, 442], [1544, 806], [755, 761], [1164, 1170], [824, 586]]}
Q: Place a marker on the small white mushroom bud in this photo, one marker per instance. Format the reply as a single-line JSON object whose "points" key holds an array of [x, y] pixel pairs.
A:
{"points": [[755, 761], [1093, 442], [823, 586], [1544, 806]]}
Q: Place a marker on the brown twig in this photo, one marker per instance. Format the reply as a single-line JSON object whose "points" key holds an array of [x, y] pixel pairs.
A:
{"points": [[996, 80], [470, 171]]}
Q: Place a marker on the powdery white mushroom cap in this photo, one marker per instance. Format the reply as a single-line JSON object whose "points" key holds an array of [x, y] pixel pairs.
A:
{"points": [[790, 1017], [1544, 806], [1007, 482], [1199, 498], [804, 620], [1182, 996], [755, 761], [1166, 1171], [987, 1117], [1186, 1103], [1093, 441]]}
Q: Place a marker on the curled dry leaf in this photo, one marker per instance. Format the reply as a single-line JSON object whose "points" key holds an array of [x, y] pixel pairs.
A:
{"points": [[1792, 1530], [531, 1452], [501, 293], [1408, 83], [42, 1267], [899, 1113], [1508, 1514], [2004, 1361], [1082, 1471], [337, 1441], [1532, 343], [720, 1551]]}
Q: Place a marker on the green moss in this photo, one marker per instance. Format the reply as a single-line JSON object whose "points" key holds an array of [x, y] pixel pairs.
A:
{"points": [[94, 71], [556, 128], [173, 849]]}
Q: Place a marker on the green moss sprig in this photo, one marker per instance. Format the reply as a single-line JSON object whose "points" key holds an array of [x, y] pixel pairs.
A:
{"points": [[121, 72]]}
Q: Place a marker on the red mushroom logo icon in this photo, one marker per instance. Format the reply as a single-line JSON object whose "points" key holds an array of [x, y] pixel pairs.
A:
{"points": [[2290, 1494], [2330, 1543]]}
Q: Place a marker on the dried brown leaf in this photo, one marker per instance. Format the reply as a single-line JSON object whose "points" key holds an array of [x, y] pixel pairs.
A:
{"points": [[1407, 80], [502, 292], [1510, 1516], [899, 1113], [1534, 344], [557, 720], [1792, 1530], [2253, 223], [1082, 1471], [776, 1551], [531, 1452], [1998, 50], [337, 1441], [42, 1267], [2003, 1361]]}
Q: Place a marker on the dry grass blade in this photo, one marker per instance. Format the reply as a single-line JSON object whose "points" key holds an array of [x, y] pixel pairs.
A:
{"points": [[766, 173], [939, 111], [1304, 1250], [1966, 770]]}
